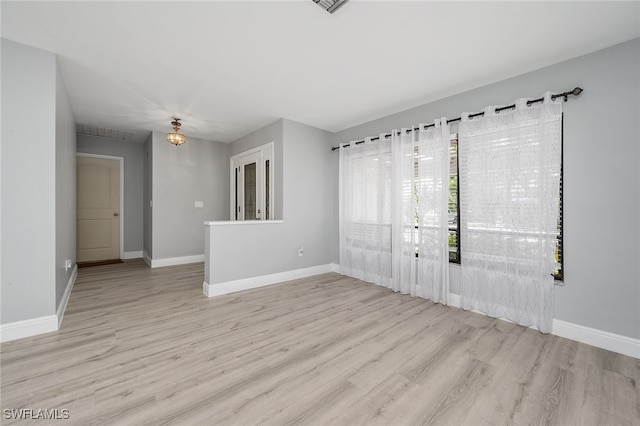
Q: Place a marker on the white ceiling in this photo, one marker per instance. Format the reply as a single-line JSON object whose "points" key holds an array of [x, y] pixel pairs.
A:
{"points": [[229, 68]]}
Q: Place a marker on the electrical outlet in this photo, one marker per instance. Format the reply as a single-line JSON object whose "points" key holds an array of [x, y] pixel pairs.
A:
{"points": [[67, 264], [300, 251]]}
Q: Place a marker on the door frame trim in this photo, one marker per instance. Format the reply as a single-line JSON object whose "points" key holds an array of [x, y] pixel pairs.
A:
{"points": [[121, 160], [271, 147]]}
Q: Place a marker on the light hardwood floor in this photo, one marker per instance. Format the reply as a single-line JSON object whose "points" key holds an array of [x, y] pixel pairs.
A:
{"points": [[143, 346]]}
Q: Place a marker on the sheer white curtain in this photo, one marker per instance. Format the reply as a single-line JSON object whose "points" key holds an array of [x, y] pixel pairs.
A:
{"points": [[365, 211], [393, 205], [432, 195], [509, 204], [404, 211]]}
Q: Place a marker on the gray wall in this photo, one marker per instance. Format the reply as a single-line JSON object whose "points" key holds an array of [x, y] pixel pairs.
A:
{"points": [[28, 287], [308, 194], [271, 133], [243, 251], [601, 178], [195, 171], [133, 154], [65, 188], [147, 196]]}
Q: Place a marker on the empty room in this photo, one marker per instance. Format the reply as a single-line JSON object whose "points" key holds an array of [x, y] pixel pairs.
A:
{"points": [[320, 212]]}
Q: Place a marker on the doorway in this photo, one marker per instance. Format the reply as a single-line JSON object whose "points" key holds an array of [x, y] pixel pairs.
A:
{"points": [[100, 202], [252, 184]]}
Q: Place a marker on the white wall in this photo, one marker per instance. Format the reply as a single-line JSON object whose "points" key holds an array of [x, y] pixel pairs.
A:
{"points": [[65, 189], [601, 178], [133, 154], [195, 171], [28, 287]]}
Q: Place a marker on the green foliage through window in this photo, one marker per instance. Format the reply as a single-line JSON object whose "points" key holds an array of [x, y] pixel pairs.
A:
{"points": [[454, 211]]}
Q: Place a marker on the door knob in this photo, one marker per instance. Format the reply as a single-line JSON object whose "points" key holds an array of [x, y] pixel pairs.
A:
{"points": [[116, 214]]}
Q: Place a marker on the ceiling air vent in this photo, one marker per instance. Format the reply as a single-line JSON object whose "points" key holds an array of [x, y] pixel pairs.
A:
{"points": [[101, 132], [330, 5]]}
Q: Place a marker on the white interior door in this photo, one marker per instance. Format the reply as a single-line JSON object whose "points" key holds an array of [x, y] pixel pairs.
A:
{"points": [[252, 185], [248, 187], [98, 209]]}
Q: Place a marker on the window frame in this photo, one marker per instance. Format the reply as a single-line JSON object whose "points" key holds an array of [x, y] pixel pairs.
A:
{"points": [[453, 137], [457, 260], [558, 275]]}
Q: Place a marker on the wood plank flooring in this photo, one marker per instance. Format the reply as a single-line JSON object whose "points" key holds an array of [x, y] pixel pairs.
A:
{"points": [[145, 346]]}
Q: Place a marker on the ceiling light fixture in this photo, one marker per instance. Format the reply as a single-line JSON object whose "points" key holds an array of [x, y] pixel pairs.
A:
{"points": [[175, 137], [330, 5]]}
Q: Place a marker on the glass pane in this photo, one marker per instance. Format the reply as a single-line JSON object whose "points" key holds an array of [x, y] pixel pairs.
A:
{"points": [[237, 209], [558, 273], [454, 252], [453, 245], [266, 193], [250, 192]]}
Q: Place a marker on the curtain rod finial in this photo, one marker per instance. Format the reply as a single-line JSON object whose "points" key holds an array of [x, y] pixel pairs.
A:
{"points": [[576, 91]]}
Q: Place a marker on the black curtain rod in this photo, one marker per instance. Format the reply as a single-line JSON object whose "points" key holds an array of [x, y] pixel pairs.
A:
{"points": [[565, 95]]}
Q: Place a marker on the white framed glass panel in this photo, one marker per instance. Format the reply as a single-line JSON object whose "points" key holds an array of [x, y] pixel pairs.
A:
{"points": [[252, 184]]}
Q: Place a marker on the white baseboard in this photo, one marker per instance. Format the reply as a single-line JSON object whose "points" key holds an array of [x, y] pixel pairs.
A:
{"points": [[454, 300], [617, 343], [335, 267], [66, 295], [146, 258], [170, 261], [601, 339], [219, 289], [31, 327], [132, 254]]}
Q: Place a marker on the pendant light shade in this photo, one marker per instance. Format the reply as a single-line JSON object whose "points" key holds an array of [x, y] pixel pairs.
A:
{"points": [[175, 137]]}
